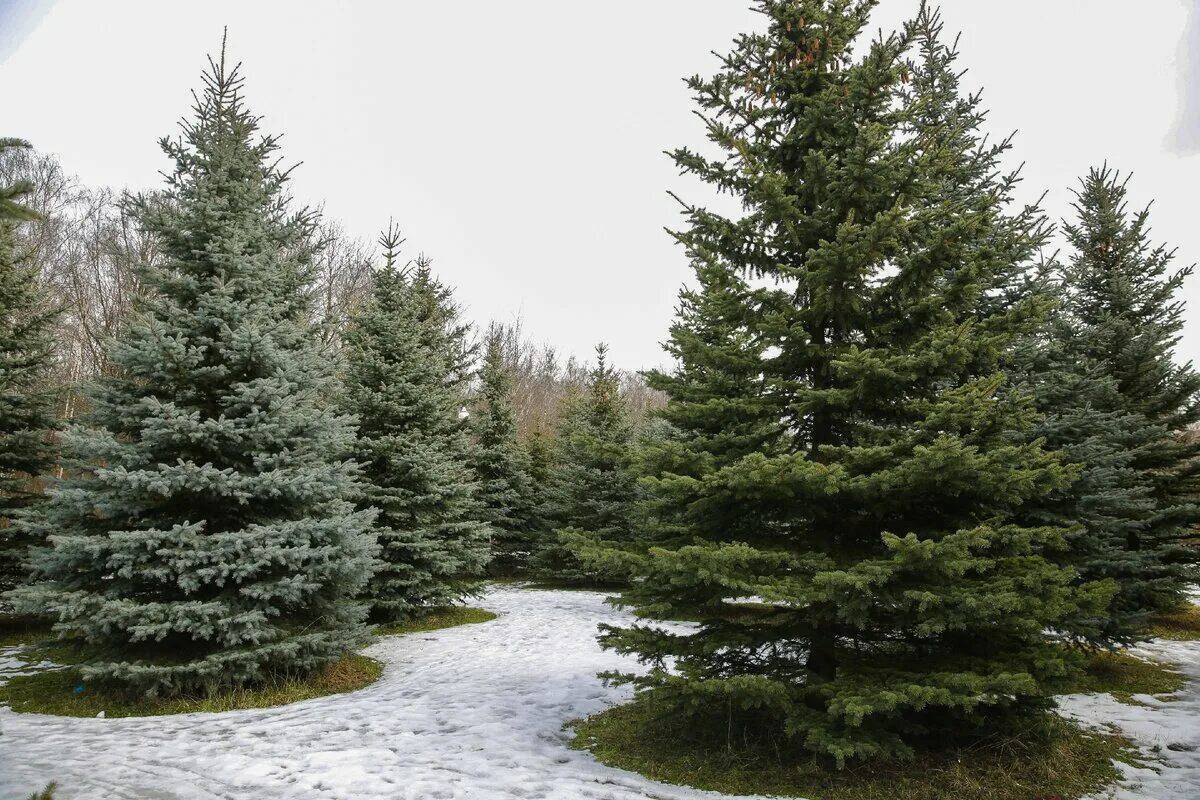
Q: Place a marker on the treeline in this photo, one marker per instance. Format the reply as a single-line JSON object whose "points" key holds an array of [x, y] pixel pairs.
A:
{"points": [[84, 249], [910, 464]]}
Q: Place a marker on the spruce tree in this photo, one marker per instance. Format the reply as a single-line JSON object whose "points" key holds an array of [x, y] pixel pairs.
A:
{"points": [[1121, 297], [718, 413], [539, 458], [27, 420], [501, 466], [405, 383], [1109, 502], [203, 537], [592, 493], [900, 603]]}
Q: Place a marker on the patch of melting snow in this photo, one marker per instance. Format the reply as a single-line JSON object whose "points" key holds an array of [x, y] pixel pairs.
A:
{"points": [[470, 713], [12, 664], [1166, 730]]}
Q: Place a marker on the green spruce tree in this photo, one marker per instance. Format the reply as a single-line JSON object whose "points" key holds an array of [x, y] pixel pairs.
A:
{"points": [[203, 537], [718, 412], [405, 382], [592, 492], [1121, 297], [899, 601], [502, 467], [539, 456], [27, 421]]}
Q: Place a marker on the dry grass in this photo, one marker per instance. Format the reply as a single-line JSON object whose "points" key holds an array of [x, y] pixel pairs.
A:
{"points": [[22, 631], [1181, 626], [436, 619], [1123, 675], [63, 692]]}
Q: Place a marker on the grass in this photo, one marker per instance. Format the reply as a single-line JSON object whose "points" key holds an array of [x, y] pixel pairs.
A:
{"points": [[56, 691], [1063, 762], [550, 585], [22, 631], [1181, 626], [1123, 675], [437, 619], [507, 580]]}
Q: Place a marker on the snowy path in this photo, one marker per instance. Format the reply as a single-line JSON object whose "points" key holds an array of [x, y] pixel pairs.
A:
{"points": [[470, 713]]}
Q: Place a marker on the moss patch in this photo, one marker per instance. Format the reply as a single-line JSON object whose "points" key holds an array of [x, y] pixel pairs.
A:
{"points": [[56, 691], [1181, 626], [1061, 761], [1123, 675], [437, 619]]}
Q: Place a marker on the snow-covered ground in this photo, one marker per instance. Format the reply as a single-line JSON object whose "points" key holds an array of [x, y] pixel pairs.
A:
{"points": [[470, 713]]}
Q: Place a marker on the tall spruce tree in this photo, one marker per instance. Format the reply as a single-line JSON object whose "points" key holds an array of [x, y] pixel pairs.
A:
{"points": [[592, 493], [407, 364], [1122, 298], [203, 536], [901, 602], [501, 465], [27, 420]]}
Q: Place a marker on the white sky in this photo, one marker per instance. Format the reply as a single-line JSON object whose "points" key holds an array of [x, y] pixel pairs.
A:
{"points": [[520, 143]]}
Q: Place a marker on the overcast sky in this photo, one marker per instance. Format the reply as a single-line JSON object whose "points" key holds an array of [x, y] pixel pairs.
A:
{"points": [[520, 143]]}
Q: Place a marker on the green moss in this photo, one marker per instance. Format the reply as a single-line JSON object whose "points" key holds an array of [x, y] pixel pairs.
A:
{"points": [[437, 619], [1060, 760], [54, 691], [1123, 675], [1182, 625]]}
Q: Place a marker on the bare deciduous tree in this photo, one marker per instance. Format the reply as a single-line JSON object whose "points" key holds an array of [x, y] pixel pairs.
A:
{"points": [[86, 251], [341, 279], [542, 381]]}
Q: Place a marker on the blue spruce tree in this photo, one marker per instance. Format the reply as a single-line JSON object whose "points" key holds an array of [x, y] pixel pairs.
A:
{"points": [[203, 536], [501, 465], [1120, 296], [408, 364], [592, 494]]}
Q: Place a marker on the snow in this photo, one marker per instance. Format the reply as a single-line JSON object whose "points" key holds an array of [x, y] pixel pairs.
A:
{"points": [[1166, 730], [470, 713]]}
